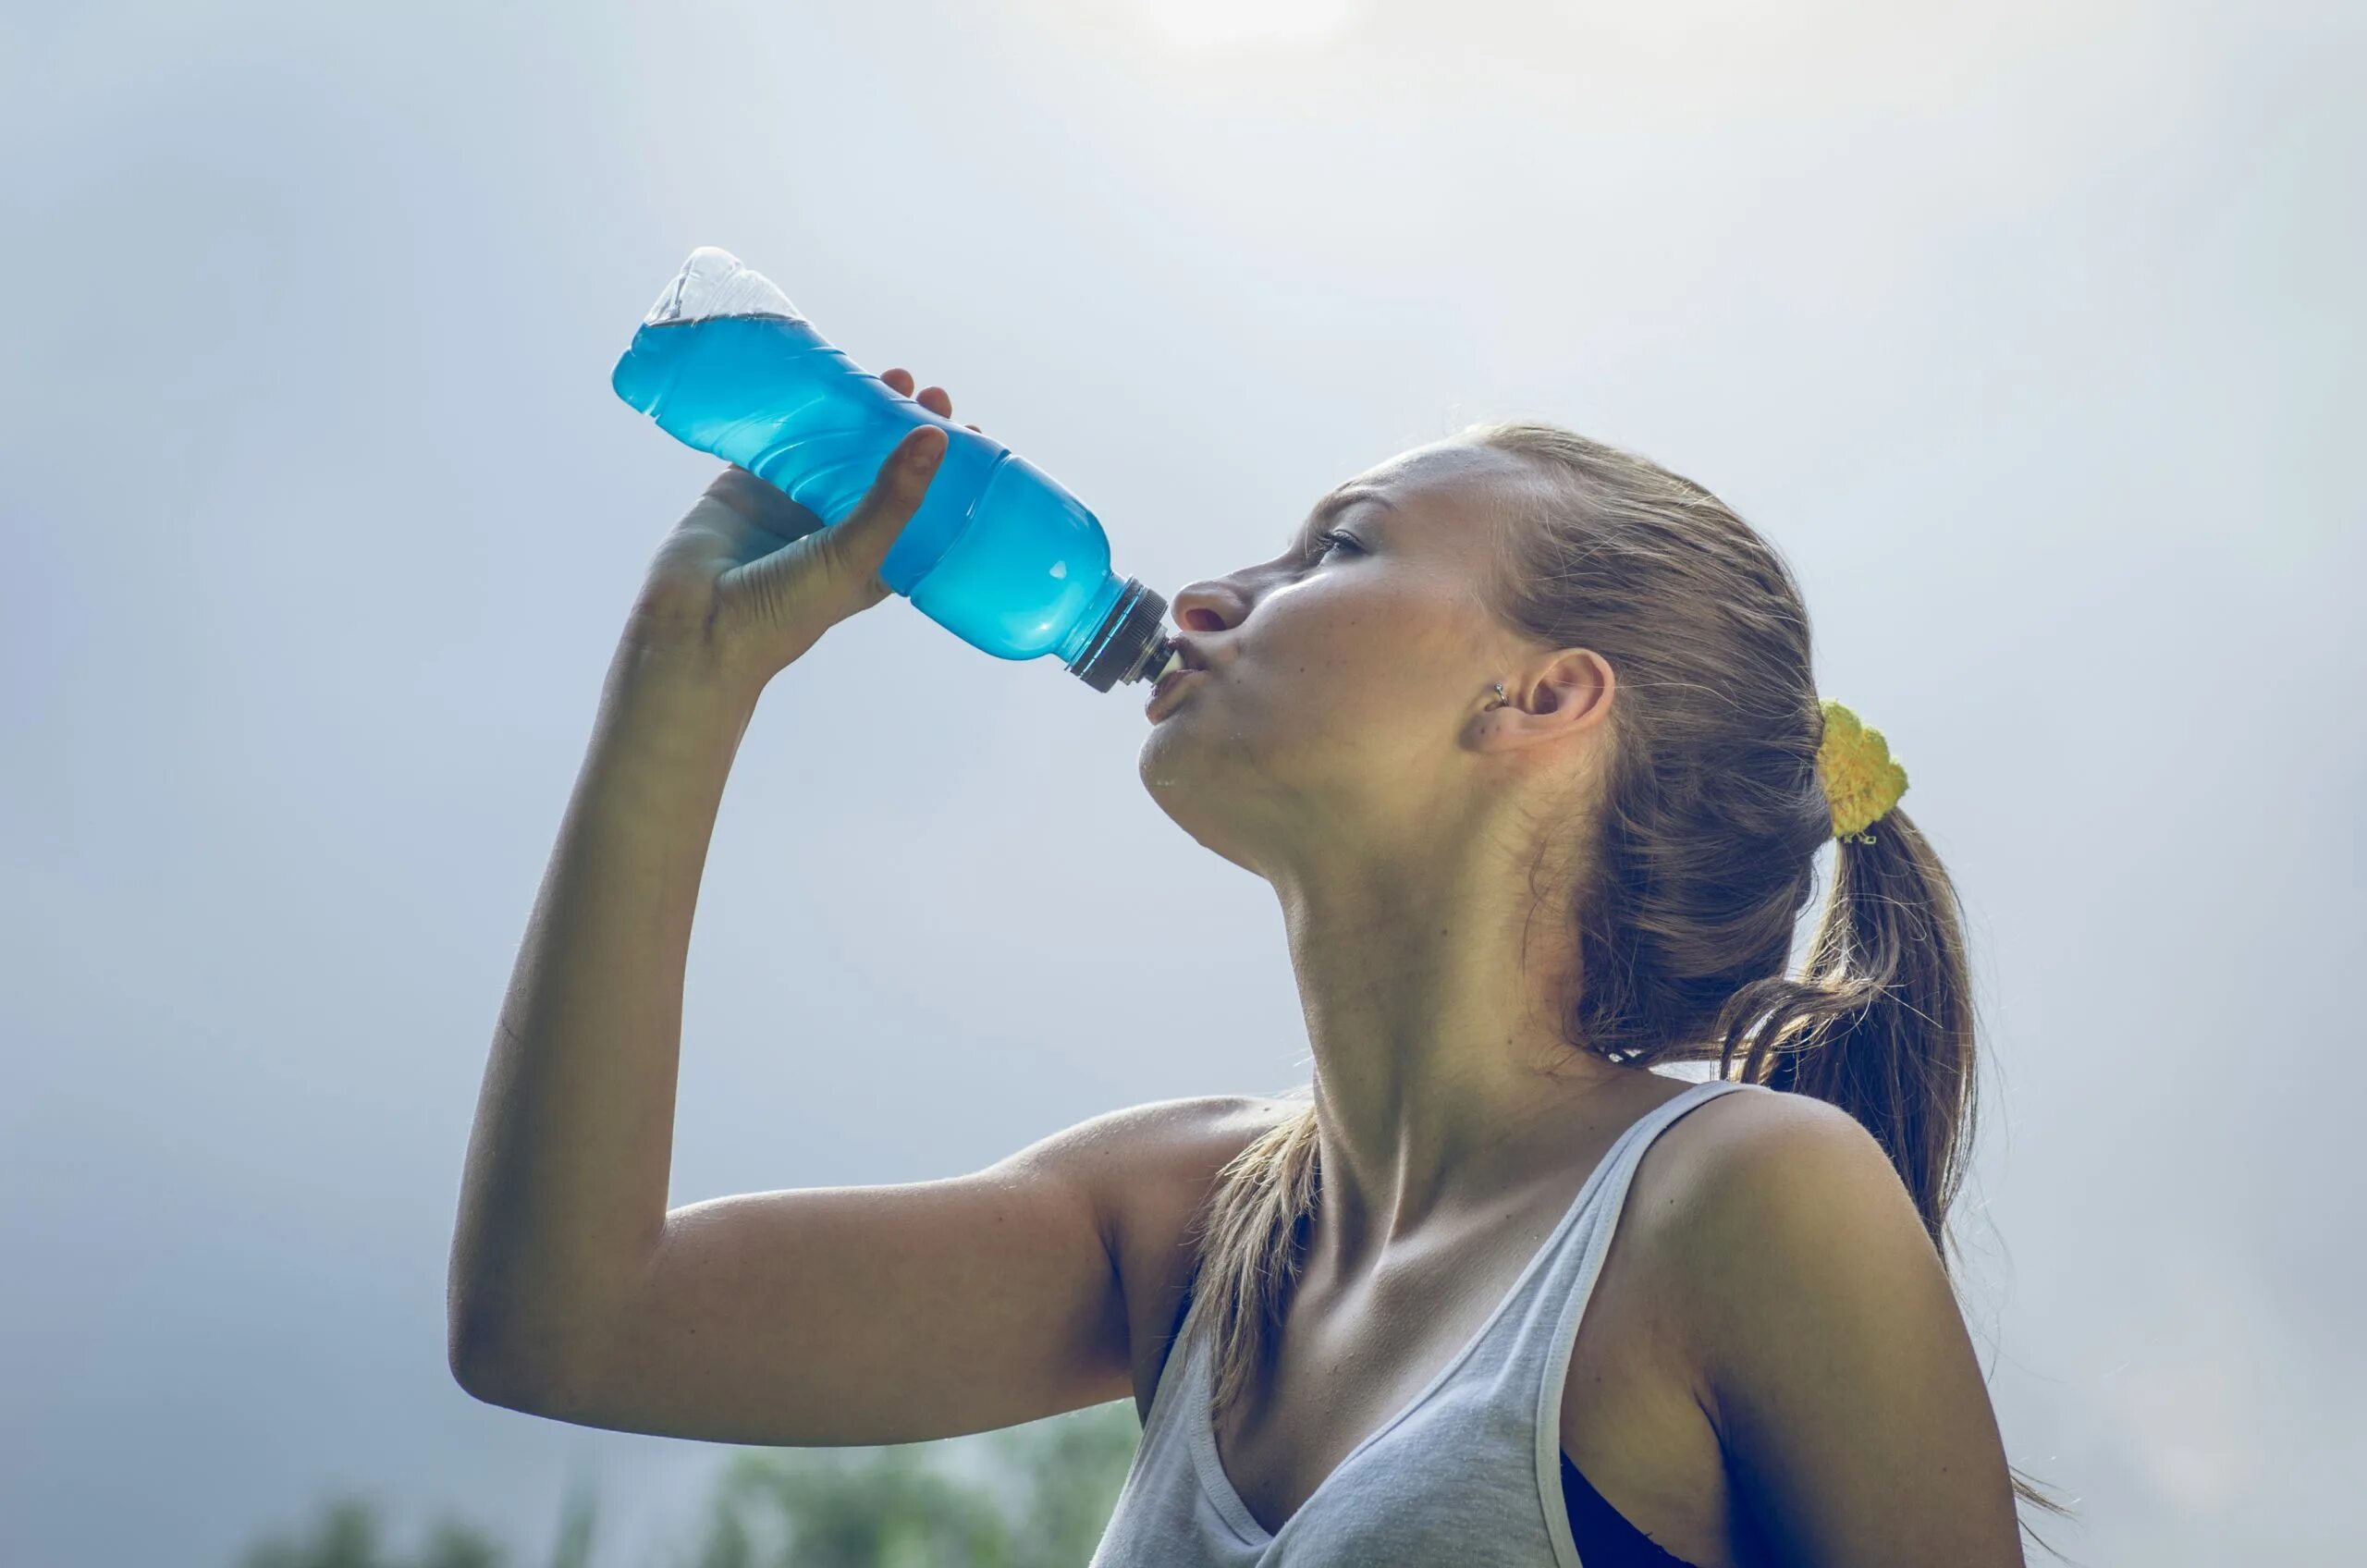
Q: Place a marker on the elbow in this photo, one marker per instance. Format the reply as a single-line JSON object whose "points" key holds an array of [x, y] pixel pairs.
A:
{"points": [[488, 1360], [497, 1377], [482, 1371], [473, 1370], [538, 1356]]}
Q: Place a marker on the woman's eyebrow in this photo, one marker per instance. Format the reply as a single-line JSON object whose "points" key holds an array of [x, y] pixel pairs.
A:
{"points": [[1331, 505]]}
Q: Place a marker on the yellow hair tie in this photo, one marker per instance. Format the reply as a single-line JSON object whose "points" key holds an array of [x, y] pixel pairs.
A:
{"points": [[1860, 779]]}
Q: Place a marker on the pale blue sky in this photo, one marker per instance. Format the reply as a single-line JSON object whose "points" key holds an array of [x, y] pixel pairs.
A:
{"points": [[2031, 332]]}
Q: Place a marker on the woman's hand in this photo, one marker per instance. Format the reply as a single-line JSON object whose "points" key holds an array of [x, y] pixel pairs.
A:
{"points": [[749, 579]]}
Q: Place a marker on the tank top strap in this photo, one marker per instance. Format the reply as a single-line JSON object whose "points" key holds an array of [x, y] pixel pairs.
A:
{"points": [[1575, 1251], [1166, 1393], [1540, 1326]]}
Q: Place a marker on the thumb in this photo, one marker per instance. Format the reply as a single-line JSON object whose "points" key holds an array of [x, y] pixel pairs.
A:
{"points": [[861, 541]]}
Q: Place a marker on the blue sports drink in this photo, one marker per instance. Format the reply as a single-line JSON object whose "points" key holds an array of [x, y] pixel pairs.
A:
{"points": [[999, 554]]}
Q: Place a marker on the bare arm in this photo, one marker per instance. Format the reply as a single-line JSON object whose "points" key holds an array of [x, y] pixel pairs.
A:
{"points": [[832, 1315], [563, 1198], [900, 1314], [1845, 1386], [828, 1316]]}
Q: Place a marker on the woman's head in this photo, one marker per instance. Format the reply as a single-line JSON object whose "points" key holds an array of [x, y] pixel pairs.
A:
{"points": [[1342, 710], [1645, 810]]}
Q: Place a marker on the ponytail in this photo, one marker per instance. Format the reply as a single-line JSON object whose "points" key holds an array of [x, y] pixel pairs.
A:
{"points": [[1879, 1020]]}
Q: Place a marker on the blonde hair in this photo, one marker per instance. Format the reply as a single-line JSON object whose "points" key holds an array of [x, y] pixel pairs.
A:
{"points": [[1696, 869]]}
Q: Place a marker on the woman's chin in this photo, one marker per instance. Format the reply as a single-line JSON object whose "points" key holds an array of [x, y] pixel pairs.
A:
{"points": [[1165, 764]]}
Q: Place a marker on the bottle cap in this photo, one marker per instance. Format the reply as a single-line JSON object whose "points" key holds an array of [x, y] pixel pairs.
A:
{"points": [[1130, 643]]}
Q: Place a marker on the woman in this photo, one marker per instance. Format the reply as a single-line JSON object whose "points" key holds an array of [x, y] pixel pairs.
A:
{"points": [[1521, 731]]}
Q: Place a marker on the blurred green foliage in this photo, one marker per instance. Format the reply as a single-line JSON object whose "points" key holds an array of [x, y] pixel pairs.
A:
{"points": [[1044, 1495]]}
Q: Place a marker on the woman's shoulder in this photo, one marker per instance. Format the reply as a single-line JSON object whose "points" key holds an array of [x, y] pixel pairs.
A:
{"points": [[1767, 1201], [1177, 1139], [1751, 1158], [1759, 1147], [1165, 1158], [1152, 1171]]}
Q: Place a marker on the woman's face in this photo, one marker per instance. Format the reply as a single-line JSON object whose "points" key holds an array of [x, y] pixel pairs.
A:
{"points": [[1342, 674]]}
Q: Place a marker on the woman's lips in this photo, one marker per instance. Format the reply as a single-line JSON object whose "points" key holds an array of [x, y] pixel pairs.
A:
{"points": [[1166, 687]]}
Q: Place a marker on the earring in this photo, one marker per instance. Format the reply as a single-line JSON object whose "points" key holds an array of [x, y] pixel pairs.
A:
{"points": [[1502, 701]]}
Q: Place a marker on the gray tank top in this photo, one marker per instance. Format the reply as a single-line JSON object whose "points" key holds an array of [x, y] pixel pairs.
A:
{"points": [[1469, 1473]]}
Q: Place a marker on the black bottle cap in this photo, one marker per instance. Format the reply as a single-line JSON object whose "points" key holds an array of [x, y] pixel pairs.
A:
{"points": [[1130, 643]]}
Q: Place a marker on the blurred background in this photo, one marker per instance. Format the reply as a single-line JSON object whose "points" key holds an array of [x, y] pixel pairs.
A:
{"points": [[2031, 333]]}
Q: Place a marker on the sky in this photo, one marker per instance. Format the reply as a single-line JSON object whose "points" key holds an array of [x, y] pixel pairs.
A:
{"points": [[2030, 333]]}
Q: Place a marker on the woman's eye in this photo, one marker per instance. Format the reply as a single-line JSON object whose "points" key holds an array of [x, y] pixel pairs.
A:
{"points": [[1331, 538]]}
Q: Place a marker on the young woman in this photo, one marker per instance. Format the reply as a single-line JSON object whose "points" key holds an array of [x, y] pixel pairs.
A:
{"points": [[1521, 731]]}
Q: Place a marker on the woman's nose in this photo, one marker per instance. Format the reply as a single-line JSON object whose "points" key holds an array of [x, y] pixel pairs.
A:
{"points": [[1210, 604]]}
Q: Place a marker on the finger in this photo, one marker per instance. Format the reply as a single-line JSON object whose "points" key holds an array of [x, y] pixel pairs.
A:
{"points": [[860, 544], [894, 495], [899, 378], [904, 476], [973, 427], [937, 401]]}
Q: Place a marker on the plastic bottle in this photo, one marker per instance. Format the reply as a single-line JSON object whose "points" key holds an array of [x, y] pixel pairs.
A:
{"points": [[999, 554]]}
